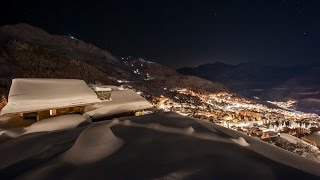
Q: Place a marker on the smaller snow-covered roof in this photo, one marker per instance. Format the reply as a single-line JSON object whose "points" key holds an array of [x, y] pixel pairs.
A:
{"points": [[27, 95], [112, 87], [122, 101], [101, 88]]}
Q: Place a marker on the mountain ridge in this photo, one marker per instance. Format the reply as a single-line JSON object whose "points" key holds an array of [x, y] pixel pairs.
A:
{"points": [[101, 62]]}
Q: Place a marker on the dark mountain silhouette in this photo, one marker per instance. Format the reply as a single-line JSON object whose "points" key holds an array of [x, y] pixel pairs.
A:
{"points": [[247, 75], [206, 71], [21, 59], [28, 51], [61, 45]]}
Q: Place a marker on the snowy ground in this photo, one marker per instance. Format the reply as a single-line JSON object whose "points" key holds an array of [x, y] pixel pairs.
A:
{"points": [[63, 122], [155, 146]]}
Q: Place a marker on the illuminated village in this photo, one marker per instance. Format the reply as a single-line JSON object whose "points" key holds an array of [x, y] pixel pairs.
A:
{"points": [[283, 126]]}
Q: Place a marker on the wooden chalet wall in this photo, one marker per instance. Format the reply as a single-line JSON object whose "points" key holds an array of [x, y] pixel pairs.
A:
{"points": [[3, 102], [44, 114]]}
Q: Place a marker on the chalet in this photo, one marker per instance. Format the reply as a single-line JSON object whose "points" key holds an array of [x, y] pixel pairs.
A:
{"points": [[43, 98]]}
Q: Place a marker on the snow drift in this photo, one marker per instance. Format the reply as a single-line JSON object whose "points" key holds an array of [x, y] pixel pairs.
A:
{"points": [[57, 123], [159, 145], [93, 144]]}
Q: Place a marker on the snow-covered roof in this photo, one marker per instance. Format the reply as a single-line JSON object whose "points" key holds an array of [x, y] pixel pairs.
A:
{"points": [[101, 88], [121, 101], [112, 87], [27, 95]]}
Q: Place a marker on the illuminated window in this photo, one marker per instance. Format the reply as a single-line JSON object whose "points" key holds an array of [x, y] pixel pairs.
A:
{"points": [[53, 112]]}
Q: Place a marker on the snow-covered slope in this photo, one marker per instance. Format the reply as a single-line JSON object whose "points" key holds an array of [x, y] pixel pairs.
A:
{"points": [[156, 146], [57, 123]]}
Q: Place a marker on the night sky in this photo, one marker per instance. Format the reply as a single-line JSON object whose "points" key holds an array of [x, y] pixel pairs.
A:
{"points": [[184, 33]]}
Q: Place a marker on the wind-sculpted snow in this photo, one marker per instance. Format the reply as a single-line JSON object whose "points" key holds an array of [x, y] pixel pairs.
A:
{"points": [[155, 146], [93, 144], [57, 123], [9, 133], [186, 131], [63, 122]]}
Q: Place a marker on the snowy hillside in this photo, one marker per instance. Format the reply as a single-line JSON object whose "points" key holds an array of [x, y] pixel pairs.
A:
{"points": [[156, 146]]}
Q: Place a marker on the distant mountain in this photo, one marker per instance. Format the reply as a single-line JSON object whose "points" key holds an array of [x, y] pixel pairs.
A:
{"points": [[245, 75], [206, 71], [152, 76], [28, 51], [266, 82]]}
